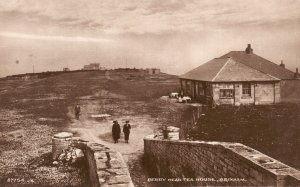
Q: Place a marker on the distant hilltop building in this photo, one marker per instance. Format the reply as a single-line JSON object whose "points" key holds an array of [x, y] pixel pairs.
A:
{"points": [[66, 69], [241, 77], [93, 66], [153, 71]]}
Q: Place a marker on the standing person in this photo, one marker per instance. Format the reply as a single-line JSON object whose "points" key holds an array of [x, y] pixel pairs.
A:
{"points": [[77, 111], [126, 130], [116, 130]]}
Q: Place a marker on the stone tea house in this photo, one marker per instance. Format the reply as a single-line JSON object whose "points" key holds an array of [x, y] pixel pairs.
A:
{"points": [[238, 77]]}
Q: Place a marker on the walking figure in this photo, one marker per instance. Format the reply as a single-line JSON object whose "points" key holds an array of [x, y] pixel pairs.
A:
{"points": [[116, 130], [77, 111], [126, 130]]}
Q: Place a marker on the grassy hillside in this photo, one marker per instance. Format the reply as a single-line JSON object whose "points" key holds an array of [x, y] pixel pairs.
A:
{"points": [[31, 111]]}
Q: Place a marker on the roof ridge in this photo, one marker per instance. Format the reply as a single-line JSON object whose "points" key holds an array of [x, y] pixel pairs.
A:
{"points": [[208, 70], [273, 63], [262, 64], [235, 71], [221, 69], [256, 69]]}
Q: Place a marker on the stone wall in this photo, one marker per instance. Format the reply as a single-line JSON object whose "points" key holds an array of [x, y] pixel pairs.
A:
{"points": [[261, 93], [239, 98], [215, 163], [264, 93], [216, 93], [290, 90], [105, 166]]}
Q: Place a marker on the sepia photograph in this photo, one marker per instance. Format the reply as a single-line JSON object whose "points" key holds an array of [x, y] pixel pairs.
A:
{"points": [[149, 93]]}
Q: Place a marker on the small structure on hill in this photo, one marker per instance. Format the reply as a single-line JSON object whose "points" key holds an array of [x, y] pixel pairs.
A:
{"points": [[153, 71], [92, 66], [238, 77], [66, 69]]}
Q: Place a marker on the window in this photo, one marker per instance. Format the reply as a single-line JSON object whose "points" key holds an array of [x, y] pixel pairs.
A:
{"points": [[226, 93], [188, 87], [201, 88], [246, 89], [208, 89]]}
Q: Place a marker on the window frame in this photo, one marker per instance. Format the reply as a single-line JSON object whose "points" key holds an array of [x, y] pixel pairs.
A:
{"points": [[188, 87], [201, 89], [229, 93], [246, 90]]}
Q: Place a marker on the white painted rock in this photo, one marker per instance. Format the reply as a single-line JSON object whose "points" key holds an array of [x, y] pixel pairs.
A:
{"points": [[69, 156], [100, 115], [173, 129], [61, 156], [79, 153]]}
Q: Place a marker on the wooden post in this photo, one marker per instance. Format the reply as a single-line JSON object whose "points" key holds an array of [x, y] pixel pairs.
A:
{"points": [[181, 132], [194, 120]]}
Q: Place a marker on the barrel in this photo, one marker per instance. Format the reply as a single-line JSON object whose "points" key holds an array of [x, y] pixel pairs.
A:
{"points": [[60, 142]]}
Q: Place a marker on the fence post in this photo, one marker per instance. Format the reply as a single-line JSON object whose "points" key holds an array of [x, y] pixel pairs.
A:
{"points": [[181, 132]]}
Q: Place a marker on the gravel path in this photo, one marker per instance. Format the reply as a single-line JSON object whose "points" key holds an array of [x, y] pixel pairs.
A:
{"points": [[99, 130]]}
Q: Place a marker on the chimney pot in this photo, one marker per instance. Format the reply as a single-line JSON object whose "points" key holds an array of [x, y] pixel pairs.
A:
{"points": [[296, 75], [249, 50], [282, 64]]}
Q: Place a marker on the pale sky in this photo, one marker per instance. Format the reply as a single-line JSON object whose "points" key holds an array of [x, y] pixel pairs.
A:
{"points": [[174, 35]]}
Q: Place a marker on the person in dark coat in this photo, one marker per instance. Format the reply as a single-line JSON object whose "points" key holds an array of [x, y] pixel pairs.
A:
{"points": [[126, 130], [77, 111], [116, 130]]}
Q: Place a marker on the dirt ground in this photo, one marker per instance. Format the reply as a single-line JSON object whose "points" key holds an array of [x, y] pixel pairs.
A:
{"points": [[145, 115], [35, 109]]}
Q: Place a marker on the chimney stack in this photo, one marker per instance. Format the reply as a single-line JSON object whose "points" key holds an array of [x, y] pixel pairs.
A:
{"points": [[296, 75], [282, 64], [249, 50]]}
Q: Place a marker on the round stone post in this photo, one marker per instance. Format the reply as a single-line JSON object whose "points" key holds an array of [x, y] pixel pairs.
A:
{"points": [[60, 142]]}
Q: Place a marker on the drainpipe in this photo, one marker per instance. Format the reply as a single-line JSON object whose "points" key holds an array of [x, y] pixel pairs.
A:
{"points": [[233, 94], [184, 86], [254, 92], [274, 93], [193, 89], [180, 84]]}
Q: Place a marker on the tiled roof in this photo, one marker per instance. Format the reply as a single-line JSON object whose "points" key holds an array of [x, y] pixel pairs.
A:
{"points": [[234, 71], [256, 62], [238, 66], [207, 71]]}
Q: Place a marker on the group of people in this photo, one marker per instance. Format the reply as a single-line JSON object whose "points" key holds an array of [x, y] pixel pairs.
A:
{"points": [[116, 131]]}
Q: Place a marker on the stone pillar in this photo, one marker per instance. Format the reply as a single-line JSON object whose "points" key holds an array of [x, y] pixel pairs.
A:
{"points": [[60, 142]]}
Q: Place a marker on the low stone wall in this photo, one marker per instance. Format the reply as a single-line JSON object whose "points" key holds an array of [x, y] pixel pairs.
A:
{"points": [[105, 166], [214, 163]]}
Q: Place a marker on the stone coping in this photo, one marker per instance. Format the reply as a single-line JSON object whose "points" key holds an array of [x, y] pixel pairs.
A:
{"points": [[107, 165], [63, 135], [245, 153]]}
